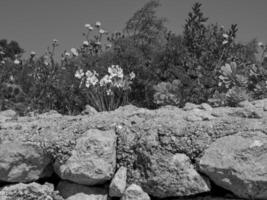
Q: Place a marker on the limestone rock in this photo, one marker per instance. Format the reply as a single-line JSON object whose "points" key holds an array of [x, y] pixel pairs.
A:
{"points": [[93, 159], [238, 164], [190, 106], [72, 191], [206, 107], [7, 115], [135, 192], [89, 110], [118, 183], [172, 175], [23, 191], [21, 162]]}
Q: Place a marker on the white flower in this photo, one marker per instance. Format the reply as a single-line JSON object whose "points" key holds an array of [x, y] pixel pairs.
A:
{"points": [[11, 78], [33, 53], [94, 80], [102, 31], [225, 42], [89, 73], [55, 41], [16, 61], [98, 43], [74, 51], [79, 74], [3, 62], [105, 80], [67, 54], [85, 43], [109, 92], [119, 83], [260, 44], [132, 75], [108, 46], [2, 53], [46, 62], [115, 70], [91, 78], [89, 27], [225, 36], [98, 24]]}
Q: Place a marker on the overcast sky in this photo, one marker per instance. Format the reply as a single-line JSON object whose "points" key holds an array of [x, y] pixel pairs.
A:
{"points": [[34, 23]]}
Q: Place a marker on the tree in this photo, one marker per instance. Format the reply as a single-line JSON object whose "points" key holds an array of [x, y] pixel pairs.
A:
{"points": [[10, 49], [145, 28]]}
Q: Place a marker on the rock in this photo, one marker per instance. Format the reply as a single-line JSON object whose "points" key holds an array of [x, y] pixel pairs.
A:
{"points": [[89, 110], [118, 183], [135, 192], [72, 191], [172, 175], [21, 162], [30, 191], [93, 159], [198, 115], [245, 104], [190, 106], [7, 115], [238, 164], [206, 107]]}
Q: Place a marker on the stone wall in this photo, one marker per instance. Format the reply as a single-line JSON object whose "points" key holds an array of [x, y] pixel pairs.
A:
{"points": [[197, 152]]}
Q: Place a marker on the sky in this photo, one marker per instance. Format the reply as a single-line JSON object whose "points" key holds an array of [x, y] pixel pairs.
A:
{"points": [[35, 23]]}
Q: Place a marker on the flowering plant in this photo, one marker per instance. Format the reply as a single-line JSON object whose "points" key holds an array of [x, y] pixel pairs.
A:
{"points": [[107, 93]]}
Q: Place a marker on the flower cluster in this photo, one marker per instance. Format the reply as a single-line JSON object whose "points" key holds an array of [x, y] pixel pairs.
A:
{"points": [[115, 78]]}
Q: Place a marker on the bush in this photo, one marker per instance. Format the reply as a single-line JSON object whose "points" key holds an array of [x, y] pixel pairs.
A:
{"points": [[203, 64]]}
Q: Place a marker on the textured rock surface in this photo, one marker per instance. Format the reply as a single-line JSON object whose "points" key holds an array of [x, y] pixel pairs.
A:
{"points": [[23, 162], [118, 183], [30, 191], [239, 163], [93, 159], [135, 192], [72, 191], [147, 140], [171, 175]]}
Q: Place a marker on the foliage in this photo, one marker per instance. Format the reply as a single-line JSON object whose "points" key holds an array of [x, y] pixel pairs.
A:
{"points": [[108, 93], [203, 64], [9, 49]]}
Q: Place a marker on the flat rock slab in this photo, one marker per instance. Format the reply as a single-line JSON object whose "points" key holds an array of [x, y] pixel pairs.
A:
{"points": [[238, 163], [21, 162]]}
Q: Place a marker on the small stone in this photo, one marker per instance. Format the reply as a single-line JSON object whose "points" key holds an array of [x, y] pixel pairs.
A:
{"points": [[72, 191], [89, 110], [118, 183], [135, 192], [190, 106], [206, 107], [245, 104]]}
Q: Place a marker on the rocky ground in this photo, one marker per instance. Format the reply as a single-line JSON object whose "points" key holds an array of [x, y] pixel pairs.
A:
{"points": [[196, 153]]}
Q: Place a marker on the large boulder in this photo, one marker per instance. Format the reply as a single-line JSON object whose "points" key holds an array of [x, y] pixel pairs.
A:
{"points": [[30, 191], [170, 175], [238, 163], [22, 162], [72, 191], [92, 161]]}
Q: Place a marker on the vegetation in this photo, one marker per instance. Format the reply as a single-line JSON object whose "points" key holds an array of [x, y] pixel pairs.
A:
{"points": [[145, 65]]}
